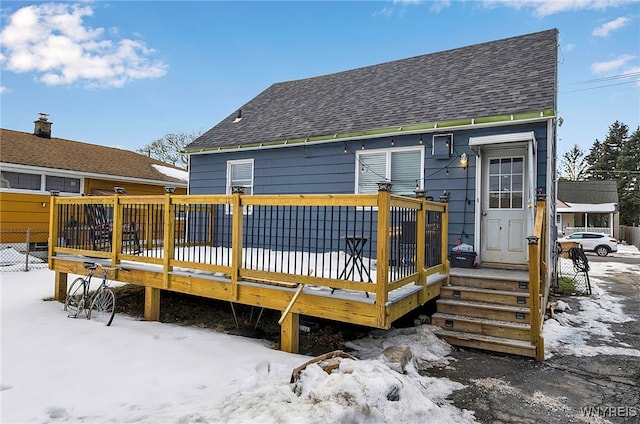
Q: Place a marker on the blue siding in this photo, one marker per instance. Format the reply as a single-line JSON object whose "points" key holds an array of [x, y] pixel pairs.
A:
{"points": [[325, 168]]}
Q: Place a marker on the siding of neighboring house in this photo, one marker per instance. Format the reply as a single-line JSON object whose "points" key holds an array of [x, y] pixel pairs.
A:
{"points": [[95, 186], [325, 168], [20, 211]]}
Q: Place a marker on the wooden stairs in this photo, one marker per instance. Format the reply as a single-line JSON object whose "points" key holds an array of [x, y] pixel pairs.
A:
{"points": [[486, 309]]}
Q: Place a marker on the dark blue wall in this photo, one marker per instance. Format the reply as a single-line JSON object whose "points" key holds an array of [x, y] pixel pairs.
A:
{"points": [[325, 168]]}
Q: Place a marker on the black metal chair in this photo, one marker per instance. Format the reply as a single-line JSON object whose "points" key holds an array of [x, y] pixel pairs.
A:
{"points": [[100, 225]]}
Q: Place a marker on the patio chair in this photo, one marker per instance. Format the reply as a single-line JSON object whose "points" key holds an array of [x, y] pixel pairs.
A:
{"points": [[101, 230]]}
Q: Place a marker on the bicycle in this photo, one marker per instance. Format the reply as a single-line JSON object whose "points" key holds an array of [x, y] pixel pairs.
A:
{"points": [[99, 305]]}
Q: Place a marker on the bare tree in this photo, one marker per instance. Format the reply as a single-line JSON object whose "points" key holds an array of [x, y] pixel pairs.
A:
{"points": [[169, 148], [573, 166]]}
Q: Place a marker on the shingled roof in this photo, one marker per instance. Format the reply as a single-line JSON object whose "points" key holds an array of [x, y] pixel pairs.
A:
{"points": [[509, 76], [21, 148], [588, 192]]}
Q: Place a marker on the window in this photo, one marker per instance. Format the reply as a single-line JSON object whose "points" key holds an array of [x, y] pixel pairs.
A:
{"points": [[403, 167], [506, 183], [63, 184], [21, 180], [240, 173]]}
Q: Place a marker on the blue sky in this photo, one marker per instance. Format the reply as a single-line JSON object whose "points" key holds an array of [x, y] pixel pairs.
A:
{"points": [[124, 74]]}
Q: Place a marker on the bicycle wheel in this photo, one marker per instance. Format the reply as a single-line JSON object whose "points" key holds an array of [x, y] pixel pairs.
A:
{"points": [[103, 306], [74, 303]]}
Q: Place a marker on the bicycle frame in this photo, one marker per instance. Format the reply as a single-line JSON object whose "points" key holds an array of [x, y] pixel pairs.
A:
{"points": [[101, 301]]}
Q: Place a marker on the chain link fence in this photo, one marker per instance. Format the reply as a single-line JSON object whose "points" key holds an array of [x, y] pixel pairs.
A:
{"points": [[23, 249], [572, 268]]}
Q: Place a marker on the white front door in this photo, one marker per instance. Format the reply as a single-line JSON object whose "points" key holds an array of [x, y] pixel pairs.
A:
{"points": [[503, 202]]}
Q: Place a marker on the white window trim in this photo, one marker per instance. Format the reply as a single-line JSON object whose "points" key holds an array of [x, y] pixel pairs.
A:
{"points": [[230, 163], [43, 178], [388, 152]]}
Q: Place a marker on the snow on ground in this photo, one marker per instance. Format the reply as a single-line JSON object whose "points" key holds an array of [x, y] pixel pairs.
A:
{"points": [[587, 331], [61, 370]]}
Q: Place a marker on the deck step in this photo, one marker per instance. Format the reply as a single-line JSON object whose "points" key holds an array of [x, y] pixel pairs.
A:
{"points": [[491, 343], [503, 297], [484, 310], [484, 326], [492, 283]]}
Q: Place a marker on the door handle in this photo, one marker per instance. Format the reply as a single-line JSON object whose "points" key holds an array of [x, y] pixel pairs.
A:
{"points": [[484, 214]]}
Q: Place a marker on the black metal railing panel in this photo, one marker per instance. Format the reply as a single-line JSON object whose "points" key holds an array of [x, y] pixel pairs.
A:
{"points": [[321, 241]]}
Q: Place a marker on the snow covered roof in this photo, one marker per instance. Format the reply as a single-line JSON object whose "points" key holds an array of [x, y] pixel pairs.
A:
{"points": [[587, 207]]}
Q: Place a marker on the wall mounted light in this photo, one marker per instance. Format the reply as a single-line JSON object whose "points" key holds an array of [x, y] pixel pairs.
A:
{"points": [[44, 204], [464, 161], [393, 143], [362, 146], [420, 141]]}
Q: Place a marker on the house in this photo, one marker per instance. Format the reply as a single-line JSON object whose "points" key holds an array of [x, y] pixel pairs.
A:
{"points": [[476, 123], [473, 126], [35, 164], [588, 206], [313, 199]]}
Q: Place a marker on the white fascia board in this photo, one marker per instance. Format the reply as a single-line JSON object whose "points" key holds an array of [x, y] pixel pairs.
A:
{"points": [[588, 208], [77, 174]]}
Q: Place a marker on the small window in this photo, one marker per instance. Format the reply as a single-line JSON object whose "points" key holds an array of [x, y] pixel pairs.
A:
{"points": [[403, 167], [63, 184], [21, 180], [240, 173]]}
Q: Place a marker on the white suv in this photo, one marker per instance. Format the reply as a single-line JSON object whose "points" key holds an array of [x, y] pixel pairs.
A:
{"points": [[600, 243]]}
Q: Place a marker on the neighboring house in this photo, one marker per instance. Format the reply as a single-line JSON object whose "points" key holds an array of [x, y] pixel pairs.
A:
{"points": [[588, 206], [477, 123], [35, 164]]}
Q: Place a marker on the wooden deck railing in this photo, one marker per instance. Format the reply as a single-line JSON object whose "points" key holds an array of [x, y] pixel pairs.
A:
{"points": [[538, 278], [277, 238]]}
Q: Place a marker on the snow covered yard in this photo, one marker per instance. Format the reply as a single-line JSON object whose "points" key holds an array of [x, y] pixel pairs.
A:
{"points": [[586, 331], [57, 369], [61, 370]]}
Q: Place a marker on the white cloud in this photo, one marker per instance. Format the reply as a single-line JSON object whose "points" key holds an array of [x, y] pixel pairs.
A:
{"points": [[52, 41], [611, 65], [3, 89], [604, 29], [543, 8]]}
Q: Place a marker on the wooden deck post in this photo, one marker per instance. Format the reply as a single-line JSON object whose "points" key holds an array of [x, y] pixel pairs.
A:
{"points": [[382, 272], [445, 240], [421, 215], [290, 333], [116, 235], [151, 303], [236, 239], [60, 289], [534, 295], [169, 236], [54, 237]]}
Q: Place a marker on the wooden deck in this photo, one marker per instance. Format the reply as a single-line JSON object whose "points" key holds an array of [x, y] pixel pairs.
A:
{"points": [[283, 252]]}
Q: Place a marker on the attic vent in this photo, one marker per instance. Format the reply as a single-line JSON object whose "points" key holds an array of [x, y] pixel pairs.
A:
{"points": [[239, 117], [42, 126]]}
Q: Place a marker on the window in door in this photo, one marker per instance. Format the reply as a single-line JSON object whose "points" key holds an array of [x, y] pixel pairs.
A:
{"points": [[403, 167], [506, 183]]}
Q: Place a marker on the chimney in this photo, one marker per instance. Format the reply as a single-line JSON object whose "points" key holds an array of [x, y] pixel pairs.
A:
{"points": [[43, 126]]}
